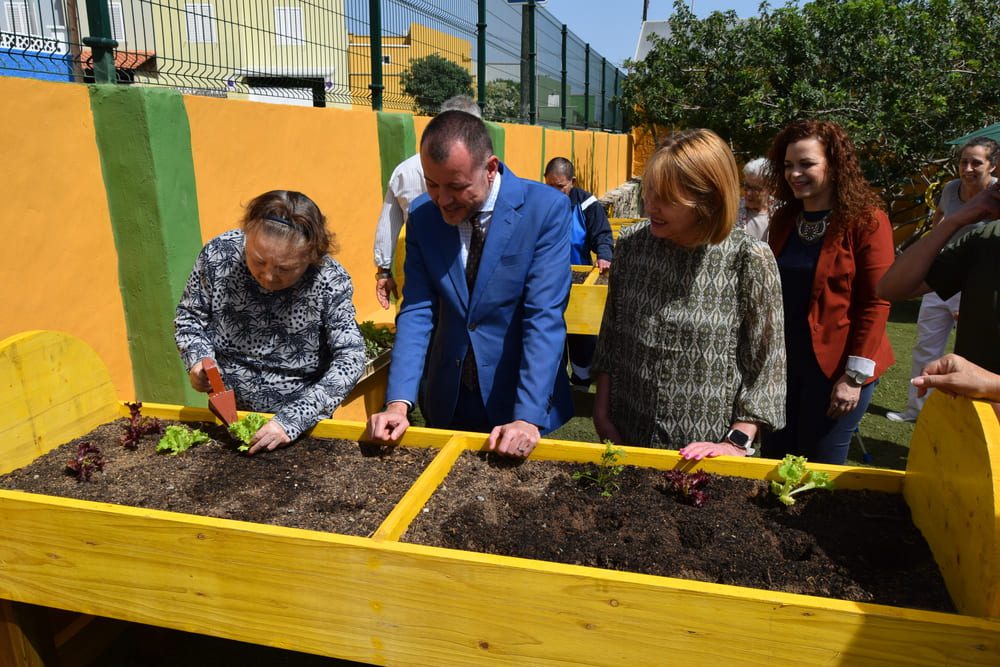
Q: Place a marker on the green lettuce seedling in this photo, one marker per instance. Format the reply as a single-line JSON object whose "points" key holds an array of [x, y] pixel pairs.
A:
{"points": [[793, 473], [603, 475], [179, 438], [244, 429]]}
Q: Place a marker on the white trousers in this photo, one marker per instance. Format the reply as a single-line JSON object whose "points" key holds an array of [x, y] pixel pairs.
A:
{"points": [[934, 325]]}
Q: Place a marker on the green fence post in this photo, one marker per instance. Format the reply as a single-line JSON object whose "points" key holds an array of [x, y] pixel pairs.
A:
{"points": [[565, 87], [481, 55], [532, 54], [586, 89], [102, 45], [614, 109], [375, 42], [604, 90]]}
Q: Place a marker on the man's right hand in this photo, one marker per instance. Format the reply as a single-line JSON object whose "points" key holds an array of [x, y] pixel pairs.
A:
{"points": [[198, 378], [389, 425], [383, 288]]}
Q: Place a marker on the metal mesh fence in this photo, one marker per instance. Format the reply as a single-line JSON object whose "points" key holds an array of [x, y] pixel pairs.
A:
{"points": [[316, 52]]}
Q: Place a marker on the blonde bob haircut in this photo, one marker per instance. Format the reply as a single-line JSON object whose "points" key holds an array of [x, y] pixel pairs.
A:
{"points": [[695, 168]]}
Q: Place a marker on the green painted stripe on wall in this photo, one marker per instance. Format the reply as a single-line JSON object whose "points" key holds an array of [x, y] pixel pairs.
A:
{"points": [[144, 143], [397, 140], [499, 138]]}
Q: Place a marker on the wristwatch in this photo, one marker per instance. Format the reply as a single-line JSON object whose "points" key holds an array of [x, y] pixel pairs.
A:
{"points": [[856, 377], [383, 273], [738, 438]]}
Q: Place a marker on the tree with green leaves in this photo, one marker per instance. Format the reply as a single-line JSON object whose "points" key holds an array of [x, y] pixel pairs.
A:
{"points": [[433, 79], [503, 101], [901, 76]]}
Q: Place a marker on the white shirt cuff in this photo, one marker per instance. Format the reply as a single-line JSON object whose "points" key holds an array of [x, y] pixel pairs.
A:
{"points": [[861, 366]]}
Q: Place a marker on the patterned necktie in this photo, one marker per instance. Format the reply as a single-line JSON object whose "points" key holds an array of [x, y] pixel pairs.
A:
{"points": [[470, 374], [476, 244]]}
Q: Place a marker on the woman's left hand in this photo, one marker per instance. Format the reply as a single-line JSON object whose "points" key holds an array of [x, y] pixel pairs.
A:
{"points": [[269, 437], [705, 450], [843, 398]]}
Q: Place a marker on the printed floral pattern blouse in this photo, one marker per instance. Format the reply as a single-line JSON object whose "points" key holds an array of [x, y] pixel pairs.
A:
{"points": [[297, 352], [693, 339]]}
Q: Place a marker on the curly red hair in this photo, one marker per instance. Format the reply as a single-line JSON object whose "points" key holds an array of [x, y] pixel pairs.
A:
{"points": [[854, 201]]}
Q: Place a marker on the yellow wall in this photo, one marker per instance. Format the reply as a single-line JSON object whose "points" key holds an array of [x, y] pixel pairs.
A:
{"points": [[558, 143], [58, 263], [242, 149], [584, 163], [56, 196], [523, 150]]}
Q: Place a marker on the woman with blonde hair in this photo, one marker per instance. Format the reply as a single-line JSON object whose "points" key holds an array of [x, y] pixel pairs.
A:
{"points": [[691, 349]]}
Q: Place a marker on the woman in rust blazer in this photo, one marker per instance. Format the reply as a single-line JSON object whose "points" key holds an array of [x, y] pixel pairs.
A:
{"points": [[832, 243]]}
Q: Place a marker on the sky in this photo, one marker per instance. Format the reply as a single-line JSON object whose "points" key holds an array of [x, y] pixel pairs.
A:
{"points": [[612, 26]]}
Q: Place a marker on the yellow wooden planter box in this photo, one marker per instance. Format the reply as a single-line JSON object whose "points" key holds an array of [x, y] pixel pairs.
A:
{"points": [[368, 395], [586, 304], [618, 224], [380, 601]]}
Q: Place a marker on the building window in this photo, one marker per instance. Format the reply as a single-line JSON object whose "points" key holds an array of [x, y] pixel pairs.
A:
{"points": [[117, 21], [21, 17], [386, 60], [200, 23], [288, 29]]}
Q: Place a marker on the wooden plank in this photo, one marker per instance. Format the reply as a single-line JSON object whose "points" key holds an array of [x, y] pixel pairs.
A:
{"points": [[845, 477], [53, 387], [412, 502], [391, 603], [25, 637], [952, 482], [585, 309]]}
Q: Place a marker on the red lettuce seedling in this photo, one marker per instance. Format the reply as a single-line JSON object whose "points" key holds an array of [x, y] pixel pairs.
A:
{"points": [[687, 486], [139, 426], [88, 459]]}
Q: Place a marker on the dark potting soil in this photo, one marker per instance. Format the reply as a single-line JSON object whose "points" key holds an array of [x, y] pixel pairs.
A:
{"points": [[853, 545], [602, 279], [336, 486], [579, 277]]}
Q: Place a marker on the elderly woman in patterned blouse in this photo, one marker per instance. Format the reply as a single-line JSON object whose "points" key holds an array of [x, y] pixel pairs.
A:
{"points": [[274, 311], [691, 351]]}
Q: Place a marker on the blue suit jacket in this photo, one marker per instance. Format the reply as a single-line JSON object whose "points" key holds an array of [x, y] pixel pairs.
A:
{"points": [[513, 319]]}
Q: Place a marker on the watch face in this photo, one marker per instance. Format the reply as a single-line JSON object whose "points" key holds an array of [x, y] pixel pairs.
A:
{"points": [[738, 438]]}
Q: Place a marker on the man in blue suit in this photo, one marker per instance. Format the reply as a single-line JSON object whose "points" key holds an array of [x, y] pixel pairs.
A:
{"points": [[480, 333]]}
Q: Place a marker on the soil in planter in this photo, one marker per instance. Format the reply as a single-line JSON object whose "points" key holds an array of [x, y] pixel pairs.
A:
{"points": [[336, 486], [853, 545], [602, 279], [579, 277]]}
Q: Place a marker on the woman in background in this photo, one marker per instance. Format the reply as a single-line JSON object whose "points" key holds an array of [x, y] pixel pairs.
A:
{"points": [[977, 163], [754, 215]]}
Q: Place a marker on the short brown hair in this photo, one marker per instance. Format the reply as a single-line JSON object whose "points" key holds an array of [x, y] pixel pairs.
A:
{"points": [[452, 127], [696, 168], [291, 215]]}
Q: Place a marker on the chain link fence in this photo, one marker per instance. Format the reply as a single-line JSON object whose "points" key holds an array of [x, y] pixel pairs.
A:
{"points": [[525, 65]]}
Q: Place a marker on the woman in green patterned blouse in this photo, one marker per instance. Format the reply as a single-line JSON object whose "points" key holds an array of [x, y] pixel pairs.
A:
{"points": [[691, 352]]}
